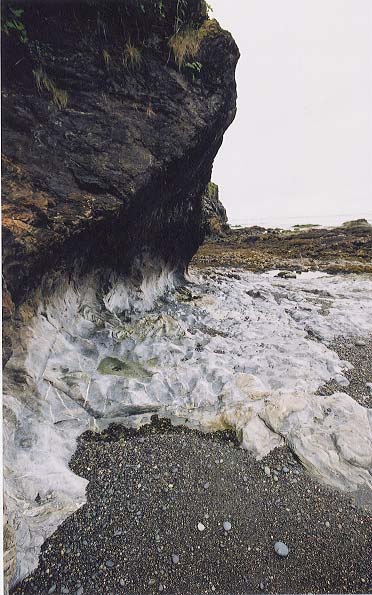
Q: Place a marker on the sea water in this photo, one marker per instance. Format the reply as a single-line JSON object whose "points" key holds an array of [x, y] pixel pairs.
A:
{"points": [[289, 221]]}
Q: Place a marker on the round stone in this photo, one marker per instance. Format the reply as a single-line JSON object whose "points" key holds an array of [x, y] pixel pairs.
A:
{"points": [[281, 549], [227, 526], [175, 558], [201, 527], [267, 471]]}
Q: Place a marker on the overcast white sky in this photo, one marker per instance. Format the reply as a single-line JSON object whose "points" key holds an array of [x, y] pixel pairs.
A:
{"points": [[301, 144]]}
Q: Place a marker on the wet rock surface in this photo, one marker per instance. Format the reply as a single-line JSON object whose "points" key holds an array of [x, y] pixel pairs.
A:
{"points": [[340, 249], [138, 532]]}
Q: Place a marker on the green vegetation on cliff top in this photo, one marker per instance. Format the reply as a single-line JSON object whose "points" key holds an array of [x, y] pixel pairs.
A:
{"points": [[125, 30]]}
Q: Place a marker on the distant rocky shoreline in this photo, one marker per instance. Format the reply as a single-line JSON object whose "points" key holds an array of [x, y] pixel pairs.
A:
{"points": [[344, 249]]}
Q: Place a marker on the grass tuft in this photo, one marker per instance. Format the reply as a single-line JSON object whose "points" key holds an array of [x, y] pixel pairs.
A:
{"points": [[43, 82], [132, 57], [106, 58], [185, 45]]}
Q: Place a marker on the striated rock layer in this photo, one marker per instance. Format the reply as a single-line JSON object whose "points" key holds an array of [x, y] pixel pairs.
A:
{"points": [[112, 115]]}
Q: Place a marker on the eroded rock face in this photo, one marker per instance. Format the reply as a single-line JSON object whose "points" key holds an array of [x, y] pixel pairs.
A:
{"points": [[108, 145]]}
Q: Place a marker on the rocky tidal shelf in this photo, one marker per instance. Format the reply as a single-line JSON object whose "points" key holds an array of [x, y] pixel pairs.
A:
{"points": [[343, 249]]}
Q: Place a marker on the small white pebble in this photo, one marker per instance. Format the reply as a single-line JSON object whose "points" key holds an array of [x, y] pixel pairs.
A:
{"points": [[201, 527], [281, 549]]}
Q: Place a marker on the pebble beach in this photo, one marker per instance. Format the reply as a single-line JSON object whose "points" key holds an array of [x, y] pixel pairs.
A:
{"points": [[173, 510]]}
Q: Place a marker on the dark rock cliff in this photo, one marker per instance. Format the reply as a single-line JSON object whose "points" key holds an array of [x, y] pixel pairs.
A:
{"points": [[112, 117]]}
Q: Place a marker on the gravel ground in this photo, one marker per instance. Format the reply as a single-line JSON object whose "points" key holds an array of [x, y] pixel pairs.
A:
{"points": [[158, 502], [357, 351]]}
